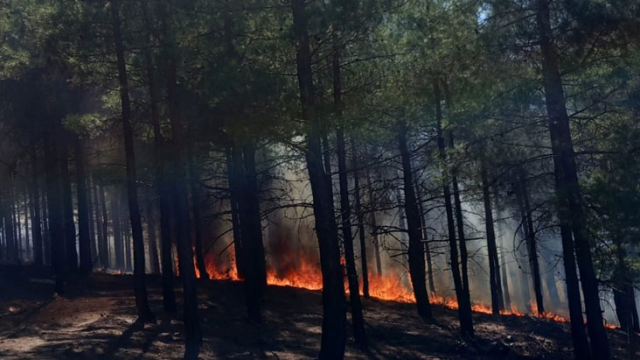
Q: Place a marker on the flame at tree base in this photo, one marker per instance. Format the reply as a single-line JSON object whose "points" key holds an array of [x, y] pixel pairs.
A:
{"points": [[303, 272]]}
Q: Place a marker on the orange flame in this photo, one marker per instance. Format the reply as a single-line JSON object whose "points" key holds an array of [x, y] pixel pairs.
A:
{"points": [[302, 270]]}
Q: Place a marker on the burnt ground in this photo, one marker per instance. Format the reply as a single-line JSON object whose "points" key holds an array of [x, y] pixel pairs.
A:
{"points": [[96, 319]]}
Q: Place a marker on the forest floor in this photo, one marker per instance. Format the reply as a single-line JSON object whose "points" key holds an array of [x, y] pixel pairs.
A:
{"points": [[96, 319]]}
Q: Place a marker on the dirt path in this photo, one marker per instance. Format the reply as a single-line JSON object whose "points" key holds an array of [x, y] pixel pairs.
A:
{"points": [[95, 319]]}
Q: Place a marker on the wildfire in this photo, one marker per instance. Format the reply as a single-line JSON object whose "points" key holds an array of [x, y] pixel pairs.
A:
{"points": [[302, 270]]}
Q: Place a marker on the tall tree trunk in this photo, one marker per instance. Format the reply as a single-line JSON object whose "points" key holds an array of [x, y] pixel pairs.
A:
{"points": [[104, 224], [9, 229], [67, 206], [345, 211], [530, 238], [464, 307], [46, 235], [570, 211], [25, 209], [117, 229], [360, 218], [334, 312], [161, 183], [15, 213], [193, 332], [154, 261], [374, 226], [427, 250], [464, 255], [234, 194], [36, 229], [54, 206], [92, 216], [83, 210], [196, 206], [416, 250], [140, 288], [253, 207], [494, 265], [98, 220]]}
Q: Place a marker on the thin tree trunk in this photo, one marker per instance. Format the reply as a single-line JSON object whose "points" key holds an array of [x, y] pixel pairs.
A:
{"points": [[253, 208], [104, 247], [46, 235], [92, 216], [416, 250], [193, 332], [334, 312], [494, 265], [570, 212], [154, 261], [144, 312], [360, 218], [196, 206], [235, 213], [67, 206], [25, 209], [532, 248], [345, 211], [117, 231], [54, 206], [464, 307], [374, 227], [36, 229], [83, 210], [162, 186]]}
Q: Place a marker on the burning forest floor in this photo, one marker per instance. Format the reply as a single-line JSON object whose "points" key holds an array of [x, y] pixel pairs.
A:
{"points": [[95, 319]]}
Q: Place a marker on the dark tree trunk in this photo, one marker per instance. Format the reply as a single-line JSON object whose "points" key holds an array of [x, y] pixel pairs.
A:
{"points": [[234, 201], [54, 206], [494, 265], [67, 206], [46, 235], [97, 204], [83, 210], [374, 226], [360, 218], [196, 206], [464, 307], [15, 213], [92, 216], [427, 249], [154, 261], [345, 212], [104, 224], [193, 332], [9, 230], [416, 250], [253, 211], [570, 211], [117, 229], [334, 311], [161, 183], [464, 255], [36, 229], [26, 223], [623, 291], [144, 312], [530, 238]]}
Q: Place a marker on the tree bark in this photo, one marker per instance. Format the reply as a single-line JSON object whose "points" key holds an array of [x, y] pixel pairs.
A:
{"points": [[360, 218], [161, 183], [154, 261], [67, 206], [464, 307], [334, 311], [104, 225], [193, 332], [84, 236], [36, 229], [374, 226], [416, 250], [234, 201], [570, 209], [144, 312], [495, 283], [54, 206], [196, 206]]}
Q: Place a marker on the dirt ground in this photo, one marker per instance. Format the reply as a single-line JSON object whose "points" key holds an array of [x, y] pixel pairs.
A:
{"points": [[95, 319]]}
